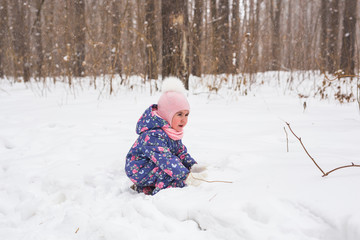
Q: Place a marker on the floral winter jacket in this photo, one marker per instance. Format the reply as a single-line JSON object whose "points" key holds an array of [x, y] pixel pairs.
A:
{"points": [[154, 151]]}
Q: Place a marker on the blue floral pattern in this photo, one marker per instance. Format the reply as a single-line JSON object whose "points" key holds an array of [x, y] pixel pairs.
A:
{"points": [[155, 161]]}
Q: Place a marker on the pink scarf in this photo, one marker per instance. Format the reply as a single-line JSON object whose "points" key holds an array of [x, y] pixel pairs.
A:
{"points": [[172, 133]]}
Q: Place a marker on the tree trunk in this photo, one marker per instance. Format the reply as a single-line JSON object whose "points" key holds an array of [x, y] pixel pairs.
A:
{"points": [[347, 62], [248, 35], [255, 61], [206, 43], [235, 35], [198, 15], [251, 39], [289, 37], [21, 41], [3, 34], [245, 33], [151, 43], [116, 39], [79, 34], [38, 39], [129, 42], [174, 44], [333, 36], [224, 53], [323, 35], [275, 13], [140, 46], [185, 45], [49, 39], [68, 41], [214, 37]]}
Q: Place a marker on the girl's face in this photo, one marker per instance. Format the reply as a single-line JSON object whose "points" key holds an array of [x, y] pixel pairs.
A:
{"points": [[179, 120]]}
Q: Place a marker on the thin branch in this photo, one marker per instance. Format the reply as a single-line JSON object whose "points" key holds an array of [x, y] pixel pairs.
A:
{"points": [[324, 174], [305, 148], [212, 197], [3, 90], [287, 140], [352, 165], [210, 181]]}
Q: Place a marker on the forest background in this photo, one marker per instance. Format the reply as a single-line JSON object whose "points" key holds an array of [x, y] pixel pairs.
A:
{"points": [[64, 40]]}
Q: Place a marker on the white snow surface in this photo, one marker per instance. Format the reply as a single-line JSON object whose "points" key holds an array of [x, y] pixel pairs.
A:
{"points": [[62, 158]]}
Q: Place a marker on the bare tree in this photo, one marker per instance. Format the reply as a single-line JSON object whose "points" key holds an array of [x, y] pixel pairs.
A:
{"points": [[289, 37], [235, 35], [79, 34], [38, 38], [333, 36], [3, 34], [196, 35], [214, 37], [129, 40], [116, 38], [256, 26], [252, 37], [21, 39], [206, 44], [347, 60], [248, 35], [174, 43], [275, 13], [224, 41], [49, 40], [67, 49], [140, 38], [323, 34], [185, 56], [151, 44]]}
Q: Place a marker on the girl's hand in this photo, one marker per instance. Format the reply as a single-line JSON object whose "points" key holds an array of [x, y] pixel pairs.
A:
{"points": [[194, 179], [196, 168]]}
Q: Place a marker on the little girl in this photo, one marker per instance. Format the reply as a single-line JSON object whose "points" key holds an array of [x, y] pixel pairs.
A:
{"points": [[158, 159]]}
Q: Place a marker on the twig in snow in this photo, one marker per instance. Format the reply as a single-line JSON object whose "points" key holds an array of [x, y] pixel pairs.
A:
{"points": [[287, 140], [305, 149], [77, 230], [324, 174], [212, 197], [3, 90], [210, 181], [198, 224], [352, 165]]}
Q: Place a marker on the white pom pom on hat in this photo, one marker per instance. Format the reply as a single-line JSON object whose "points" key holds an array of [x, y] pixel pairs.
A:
{"points": [[173, 84], [173, 98]]}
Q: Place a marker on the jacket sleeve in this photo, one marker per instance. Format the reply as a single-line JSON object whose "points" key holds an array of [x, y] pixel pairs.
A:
{"points": [[156, 149], [185, 157]]}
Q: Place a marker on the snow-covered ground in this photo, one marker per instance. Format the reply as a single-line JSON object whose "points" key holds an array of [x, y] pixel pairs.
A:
{"points": [[62, 168]]}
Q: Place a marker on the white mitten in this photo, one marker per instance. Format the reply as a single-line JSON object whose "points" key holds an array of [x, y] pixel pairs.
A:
{"points": [[195, 179], [197, 168]]}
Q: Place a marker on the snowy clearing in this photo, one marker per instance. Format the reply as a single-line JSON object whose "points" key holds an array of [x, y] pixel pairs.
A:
{"points": [[62, 168]]}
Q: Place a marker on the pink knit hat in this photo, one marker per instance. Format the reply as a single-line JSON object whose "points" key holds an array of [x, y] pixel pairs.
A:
{"points": [[173, 99]]}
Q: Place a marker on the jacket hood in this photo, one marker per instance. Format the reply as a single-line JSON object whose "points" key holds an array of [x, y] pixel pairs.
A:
{"points": [[150, 120]]}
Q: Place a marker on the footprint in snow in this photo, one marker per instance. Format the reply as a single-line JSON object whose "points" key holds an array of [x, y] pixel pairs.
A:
{"points": [[7, 144]]}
